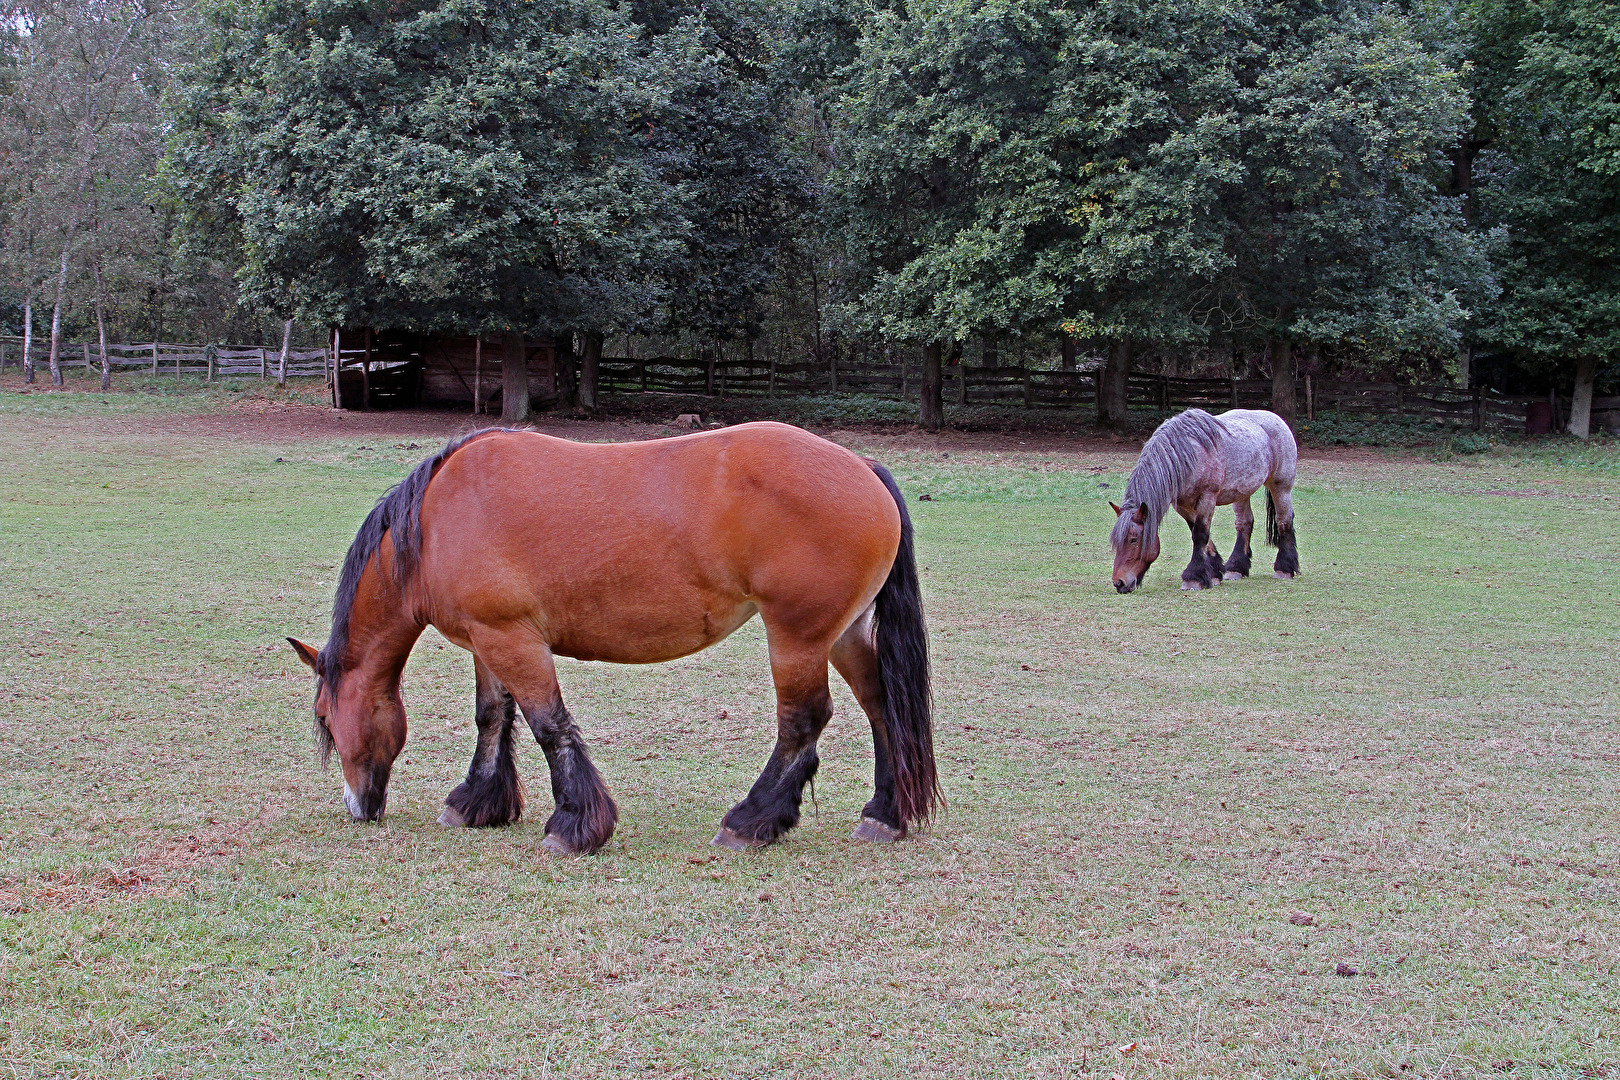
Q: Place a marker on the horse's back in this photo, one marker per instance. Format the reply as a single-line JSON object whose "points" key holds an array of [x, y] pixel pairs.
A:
{"points": [[670, 543], [1261, 426]]}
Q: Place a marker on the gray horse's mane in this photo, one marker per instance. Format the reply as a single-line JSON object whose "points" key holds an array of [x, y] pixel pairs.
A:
{"points": [[1167, 468]]}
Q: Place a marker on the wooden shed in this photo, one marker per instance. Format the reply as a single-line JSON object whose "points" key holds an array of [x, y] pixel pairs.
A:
{"points": [[383, 369]]}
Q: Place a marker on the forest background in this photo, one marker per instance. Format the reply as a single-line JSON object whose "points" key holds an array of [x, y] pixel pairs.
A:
{"points": [[1244, 188]]}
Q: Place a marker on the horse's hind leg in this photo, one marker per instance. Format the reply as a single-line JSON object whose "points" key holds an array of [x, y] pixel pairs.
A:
{"points": [[1280, 529], [492, 794], [585, 814], [1237, 565], [803, 707], [856, 658]]}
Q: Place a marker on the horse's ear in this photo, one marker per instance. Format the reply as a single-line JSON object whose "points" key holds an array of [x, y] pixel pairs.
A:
{"points": [[1117, 510], [1141, 513], [305, 652]]}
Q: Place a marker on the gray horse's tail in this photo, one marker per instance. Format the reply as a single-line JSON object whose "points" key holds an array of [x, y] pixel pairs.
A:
{"points": [[1273, 537]]}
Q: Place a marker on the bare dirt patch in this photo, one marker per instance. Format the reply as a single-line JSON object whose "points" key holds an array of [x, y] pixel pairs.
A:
{"points": [[276, 423], [155, 869]]}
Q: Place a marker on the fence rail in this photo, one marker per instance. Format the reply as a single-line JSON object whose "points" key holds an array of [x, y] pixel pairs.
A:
{"points": [[170, 358]]}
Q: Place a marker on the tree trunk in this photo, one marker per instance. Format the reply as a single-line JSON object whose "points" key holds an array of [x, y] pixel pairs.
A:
{"points": [[365, 376], [1465, 366], [590, 370], [101, 329], [56, 322], [931, 406], [515, 380], [992, 351], [1580, 403], [1283, 399], [1069, 351], [286, 343], [28, 338], [1113, 385], [563, 369]]}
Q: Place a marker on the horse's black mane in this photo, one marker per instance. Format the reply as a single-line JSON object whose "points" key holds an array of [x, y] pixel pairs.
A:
{"points": [[398, 512], [1167, 468]]}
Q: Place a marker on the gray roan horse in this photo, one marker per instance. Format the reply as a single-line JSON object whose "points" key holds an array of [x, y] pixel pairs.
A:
{"points": [[1196, 462]]}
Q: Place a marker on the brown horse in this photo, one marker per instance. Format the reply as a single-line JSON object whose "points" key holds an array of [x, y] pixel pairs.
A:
{"points": [[520, 547]]}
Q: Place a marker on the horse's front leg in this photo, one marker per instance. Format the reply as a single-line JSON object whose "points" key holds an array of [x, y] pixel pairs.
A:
{"points": [[585, 813], [492, 793], [1201, 572], [1237, 566], [803, 707]]}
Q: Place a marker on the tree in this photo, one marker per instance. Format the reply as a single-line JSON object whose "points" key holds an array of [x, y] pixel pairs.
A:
{"points": [[1338, 227], [448, 167], [1550, 79], [78, 145], [1008, 167]]}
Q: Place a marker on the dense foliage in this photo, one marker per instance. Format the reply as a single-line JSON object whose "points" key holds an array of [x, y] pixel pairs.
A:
{"points": [[1225, 185]]}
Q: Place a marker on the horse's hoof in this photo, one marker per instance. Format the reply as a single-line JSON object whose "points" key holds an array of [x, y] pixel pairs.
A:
{"points": [[1190, 586], [874, 831], [451, 818], [554, 845], [1282, 575], [1231, 575], [733, 842]]}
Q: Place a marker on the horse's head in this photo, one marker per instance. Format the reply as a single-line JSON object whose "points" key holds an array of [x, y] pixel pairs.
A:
{"points": [[365, 723], [1135, 547]]}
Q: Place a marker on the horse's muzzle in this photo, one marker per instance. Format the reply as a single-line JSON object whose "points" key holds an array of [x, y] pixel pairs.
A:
{"points": [[367, 808], [1122, 586]]}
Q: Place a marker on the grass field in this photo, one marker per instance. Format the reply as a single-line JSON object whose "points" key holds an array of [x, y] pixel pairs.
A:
{"points": [[1172, 817]]}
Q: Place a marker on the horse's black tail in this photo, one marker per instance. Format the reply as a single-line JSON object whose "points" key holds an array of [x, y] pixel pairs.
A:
{"points": [[908, 696], [1273, 537]]}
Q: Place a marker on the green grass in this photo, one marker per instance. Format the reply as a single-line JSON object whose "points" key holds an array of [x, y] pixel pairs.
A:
{"points": [[1415, 743]]}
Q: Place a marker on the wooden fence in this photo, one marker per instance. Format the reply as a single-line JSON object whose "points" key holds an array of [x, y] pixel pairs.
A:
{"points": [[163, 358], [1031, 388], [1015, 386]]}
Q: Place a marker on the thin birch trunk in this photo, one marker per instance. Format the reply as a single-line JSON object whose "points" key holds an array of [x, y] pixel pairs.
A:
{"points": [[28, 338], [56, 320], [286, 343], [1580, 403], [101, 329]]}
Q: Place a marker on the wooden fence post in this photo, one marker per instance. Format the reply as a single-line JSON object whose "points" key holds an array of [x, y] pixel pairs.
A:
{"points": [[1164, 393], [212, 356], [337, 368], [1400, 400], [478, 374], [643, 367], [1234, 394], [1479, 407], [708, 373], [1310, 398], [1029, 391], [154, 357], [770, 386], [87, 358]]}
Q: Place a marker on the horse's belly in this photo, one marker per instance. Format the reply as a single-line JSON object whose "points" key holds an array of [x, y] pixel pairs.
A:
{"points": [[648, 633]]}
